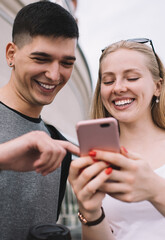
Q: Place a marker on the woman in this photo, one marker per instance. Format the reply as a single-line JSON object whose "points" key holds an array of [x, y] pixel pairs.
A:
{"points": [[131, 89]]}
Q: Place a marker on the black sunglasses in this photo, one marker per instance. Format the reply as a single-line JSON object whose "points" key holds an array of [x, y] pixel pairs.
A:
{"points": [[143, 40], [140, 40]]}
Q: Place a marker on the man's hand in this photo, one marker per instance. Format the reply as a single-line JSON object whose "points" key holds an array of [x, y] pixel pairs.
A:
{"points": [[34, 151]]}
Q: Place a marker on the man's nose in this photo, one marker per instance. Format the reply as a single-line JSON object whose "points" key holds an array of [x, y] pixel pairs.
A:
{"points": [[53, 71]]}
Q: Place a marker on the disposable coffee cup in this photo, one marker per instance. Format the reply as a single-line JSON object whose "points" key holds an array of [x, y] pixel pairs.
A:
{"points": [[49, 232]]}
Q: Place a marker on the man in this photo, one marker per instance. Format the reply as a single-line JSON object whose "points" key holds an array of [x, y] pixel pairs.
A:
{"points": [[41, 55]]}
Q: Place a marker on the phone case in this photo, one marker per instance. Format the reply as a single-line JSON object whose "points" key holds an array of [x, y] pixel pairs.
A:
{"points": [[101, 134]]}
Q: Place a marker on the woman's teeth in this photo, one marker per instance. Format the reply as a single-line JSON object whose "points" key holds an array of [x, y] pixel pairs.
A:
{"points": [[123, 102]]}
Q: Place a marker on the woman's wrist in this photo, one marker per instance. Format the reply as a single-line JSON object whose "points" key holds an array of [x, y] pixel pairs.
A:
{"points": [[90, 214], [91, 219], [158, 197]]}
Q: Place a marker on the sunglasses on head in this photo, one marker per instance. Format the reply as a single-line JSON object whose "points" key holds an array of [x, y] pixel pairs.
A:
{"points": [[140, 40], [143, 40]]}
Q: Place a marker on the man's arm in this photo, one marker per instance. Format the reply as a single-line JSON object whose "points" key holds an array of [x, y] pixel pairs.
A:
{"points": [[34, 151]]}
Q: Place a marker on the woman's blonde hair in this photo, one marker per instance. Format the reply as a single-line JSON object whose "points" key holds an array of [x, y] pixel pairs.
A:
{"points": [[156, 68]]}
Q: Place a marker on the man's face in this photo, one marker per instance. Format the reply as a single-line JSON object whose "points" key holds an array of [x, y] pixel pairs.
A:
{"points": [[41, 68]]}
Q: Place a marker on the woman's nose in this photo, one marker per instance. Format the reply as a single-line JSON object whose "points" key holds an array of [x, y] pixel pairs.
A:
{"points": [[119, 86]]}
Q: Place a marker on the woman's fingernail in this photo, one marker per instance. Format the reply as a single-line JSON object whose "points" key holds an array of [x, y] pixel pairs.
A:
{"points": [[108, 170], [124, 149], [92, 154]]}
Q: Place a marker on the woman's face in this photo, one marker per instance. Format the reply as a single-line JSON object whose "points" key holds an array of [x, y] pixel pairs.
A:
{"points": [[127, 86]]}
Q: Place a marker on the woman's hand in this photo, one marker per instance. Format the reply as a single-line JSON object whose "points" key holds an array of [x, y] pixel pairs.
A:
{"points": [[86, 177], [135, 181]]}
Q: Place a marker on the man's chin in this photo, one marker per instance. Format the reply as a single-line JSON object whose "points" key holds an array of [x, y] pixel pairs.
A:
{"points": [[43, 103]]}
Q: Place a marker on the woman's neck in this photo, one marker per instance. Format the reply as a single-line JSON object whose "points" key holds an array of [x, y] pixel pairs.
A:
{"points": [[137, 135]]}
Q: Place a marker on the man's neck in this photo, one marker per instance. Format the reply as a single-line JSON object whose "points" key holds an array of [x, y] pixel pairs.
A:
{"points": [[10, 99]]}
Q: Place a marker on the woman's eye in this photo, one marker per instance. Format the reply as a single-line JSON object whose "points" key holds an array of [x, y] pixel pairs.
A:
{"points": [[108, 79], [108, 83], [132, 79]]}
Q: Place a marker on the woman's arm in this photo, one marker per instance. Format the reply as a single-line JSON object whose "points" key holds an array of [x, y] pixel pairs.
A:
{"points": [[86, 176], [158, 196], [98, 232]]}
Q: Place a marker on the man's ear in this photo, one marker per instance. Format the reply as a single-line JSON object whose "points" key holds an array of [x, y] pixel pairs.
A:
{"points": [[158, 87], [10, 51]]}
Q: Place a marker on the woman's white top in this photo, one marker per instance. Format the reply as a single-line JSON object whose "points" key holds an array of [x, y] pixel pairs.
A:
{"points": [[135, 221]]}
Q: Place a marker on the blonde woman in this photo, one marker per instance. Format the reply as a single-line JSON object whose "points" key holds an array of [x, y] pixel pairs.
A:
{"points": [[131, 89]]}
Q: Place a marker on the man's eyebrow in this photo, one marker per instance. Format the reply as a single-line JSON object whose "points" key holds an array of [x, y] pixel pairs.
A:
{"points": [[70, 58], [43, 54]]}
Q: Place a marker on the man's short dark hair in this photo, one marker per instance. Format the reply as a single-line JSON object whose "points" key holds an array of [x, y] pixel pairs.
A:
{"points": [[44, 19]]}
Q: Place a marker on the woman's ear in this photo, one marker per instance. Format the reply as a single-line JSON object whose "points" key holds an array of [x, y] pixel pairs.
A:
{"points": [[158, 87], [10, 51]]}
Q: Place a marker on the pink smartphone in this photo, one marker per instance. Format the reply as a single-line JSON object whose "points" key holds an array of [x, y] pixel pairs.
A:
{"points": [[101, 134]]}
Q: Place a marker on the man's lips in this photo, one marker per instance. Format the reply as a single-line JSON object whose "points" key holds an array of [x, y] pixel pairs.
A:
{"points": [[46, 86]]}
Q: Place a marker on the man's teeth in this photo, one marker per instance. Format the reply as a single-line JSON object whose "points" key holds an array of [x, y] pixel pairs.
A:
{"points": [[123, 102], [47, 86]]}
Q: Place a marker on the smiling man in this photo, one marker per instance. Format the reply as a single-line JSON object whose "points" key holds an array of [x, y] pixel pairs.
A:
{"points": [[40, 69], [41, 55]]}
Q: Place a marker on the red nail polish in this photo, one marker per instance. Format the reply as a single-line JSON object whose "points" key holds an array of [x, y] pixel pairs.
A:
{"points": [[125, 150], [92, 154], [108, 170]]}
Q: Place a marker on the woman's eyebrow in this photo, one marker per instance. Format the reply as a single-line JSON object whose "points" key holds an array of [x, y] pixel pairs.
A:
{"points": [[107, 73], [131, 70]]}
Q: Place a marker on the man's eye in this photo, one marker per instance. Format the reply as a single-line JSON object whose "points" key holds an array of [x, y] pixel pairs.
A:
{"points": [[40, 59], [67, 64]]}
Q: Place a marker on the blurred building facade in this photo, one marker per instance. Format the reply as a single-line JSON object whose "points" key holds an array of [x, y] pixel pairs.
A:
{"points": [[70, 105]]}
